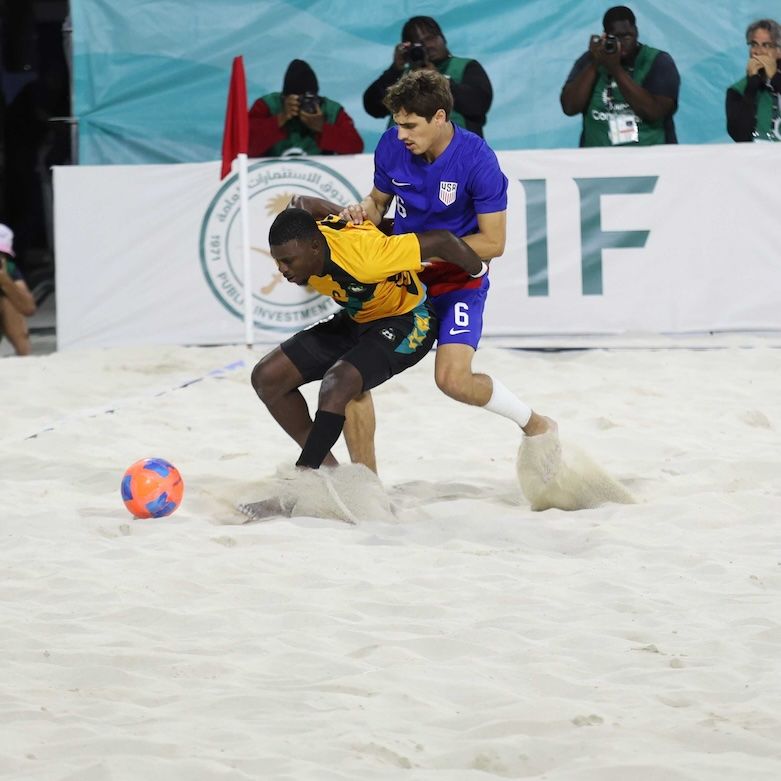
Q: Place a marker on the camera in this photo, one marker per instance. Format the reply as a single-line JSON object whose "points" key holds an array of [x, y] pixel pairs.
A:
{"points": [[415, 54], [309, 103], [611, 44]]}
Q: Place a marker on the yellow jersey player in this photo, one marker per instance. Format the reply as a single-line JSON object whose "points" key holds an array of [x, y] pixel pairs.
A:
{"points": [[385, 326]]}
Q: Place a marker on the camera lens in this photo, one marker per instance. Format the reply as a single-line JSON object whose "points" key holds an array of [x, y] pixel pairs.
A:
{"points": [[309, 103], [416, 53]]}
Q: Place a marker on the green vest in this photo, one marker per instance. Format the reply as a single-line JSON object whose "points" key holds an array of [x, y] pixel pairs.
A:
{"points": [[767, 122], [453, 68], [602, 104], [298, 136]]}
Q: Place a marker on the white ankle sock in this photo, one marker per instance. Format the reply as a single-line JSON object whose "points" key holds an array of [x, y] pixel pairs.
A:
{"points": [[505, 403]]}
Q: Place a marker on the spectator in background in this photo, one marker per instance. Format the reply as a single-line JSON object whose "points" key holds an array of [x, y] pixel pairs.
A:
{"points": [[16, 300], [423, 46], [753, 102], [299, 121], [626, 91]]}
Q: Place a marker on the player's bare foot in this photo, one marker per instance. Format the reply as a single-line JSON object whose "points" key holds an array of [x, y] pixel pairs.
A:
{"points": [[539, 424]]}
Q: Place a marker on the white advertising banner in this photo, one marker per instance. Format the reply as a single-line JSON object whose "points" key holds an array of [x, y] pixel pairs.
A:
{"points": [[600, 241]]}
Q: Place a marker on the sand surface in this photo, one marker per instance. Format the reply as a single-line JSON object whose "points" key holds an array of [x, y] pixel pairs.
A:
{"points": [[465, 637]]}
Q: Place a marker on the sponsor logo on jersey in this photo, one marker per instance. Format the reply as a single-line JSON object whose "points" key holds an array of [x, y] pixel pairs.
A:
{"points": [[447, 192], [388, 334], [276, 304]]}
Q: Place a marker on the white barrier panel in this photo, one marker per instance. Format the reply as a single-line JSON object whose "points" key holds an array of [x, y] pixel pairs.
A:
{"points": [[660, 240]]}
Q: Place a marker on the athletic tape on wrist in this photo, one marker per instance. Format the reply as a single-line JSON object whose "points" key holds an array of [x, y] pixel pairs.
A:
{"points": [[482, 272]]}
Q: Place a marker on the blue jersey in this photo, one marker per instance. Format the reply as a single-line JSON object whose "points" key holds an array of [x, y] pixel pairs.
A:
{"points": [[446, 194]]}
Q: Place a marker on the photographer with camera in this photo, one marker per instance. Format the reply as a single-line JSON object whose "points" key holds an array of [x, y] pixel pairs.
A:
{"points": [[299, 121], [423, 47], [626, 91], [753, 102]]}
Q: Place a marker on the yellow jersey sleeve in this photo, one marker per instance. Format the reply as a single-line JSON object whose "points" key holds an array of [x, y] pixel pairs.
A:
{"points": [[367, 254]]}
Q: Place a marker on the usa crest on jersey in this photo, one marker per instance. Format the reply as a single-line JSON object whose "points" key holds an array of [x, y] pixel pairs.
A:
{"points": [[447, 192]]}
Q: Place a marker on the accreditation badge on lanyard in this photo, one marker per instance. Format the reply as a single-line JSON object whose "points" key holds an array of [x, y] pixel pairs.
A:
{"points": [[623, 129], [621, 125]]}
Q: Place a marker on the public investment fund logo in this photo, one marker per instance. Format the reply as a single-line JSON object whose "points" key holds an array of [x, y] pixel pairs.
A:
{"points": [[276, 304]]}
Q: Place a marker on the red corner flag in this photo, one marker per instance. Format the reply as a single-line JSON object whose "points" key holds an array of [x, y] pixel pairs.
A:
{"points": [[235, 139]]}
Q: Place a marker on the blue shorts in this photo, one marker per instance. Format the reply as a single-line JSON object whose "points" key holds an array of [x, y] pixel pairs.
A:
{"points": [[460, 314]]}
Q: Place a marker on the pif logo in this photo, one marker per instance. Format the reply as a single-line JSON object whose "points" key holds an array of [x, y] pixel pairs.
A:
{"points": [[276, 304]]}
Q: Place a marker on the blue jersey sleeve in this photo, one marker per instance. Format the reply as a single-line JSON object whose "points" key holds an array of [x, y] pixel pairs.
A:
{"points": [[488, 185], [383, 155]]}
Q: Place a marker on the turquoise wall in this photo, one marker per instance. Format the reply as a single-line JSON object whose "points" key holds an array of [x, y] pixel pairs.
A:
{"points": [[151, 78]]}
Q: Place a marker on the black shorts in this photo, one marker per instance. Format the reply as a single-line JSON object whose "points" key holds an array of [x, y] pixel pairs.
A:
{"points": [[378, 349]]}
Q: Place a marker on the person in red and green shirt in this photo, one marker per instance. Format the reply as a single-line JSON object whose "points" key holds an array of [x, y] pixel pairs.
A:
{"points": [[299, 121]]}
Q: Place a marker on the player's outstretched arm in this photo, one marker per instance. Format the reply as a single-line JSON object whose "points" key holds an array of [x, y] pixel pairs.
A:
{"points": [[319, 208], [444, 244], [491, 235], [372, 208]]}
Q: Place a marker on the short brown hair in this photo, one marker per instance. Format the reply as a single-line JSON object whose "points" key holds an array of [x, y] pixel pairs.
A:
{"points": [[420, 92]]}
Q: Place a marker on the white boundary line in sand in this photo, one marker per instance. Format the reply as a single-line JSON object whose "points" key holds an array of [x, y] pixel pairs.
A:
{"points": [[113, 406]]}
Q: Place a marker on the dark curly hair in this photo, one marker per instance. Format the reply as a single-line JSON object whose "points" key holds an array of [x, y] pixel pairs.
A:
{"points": [[420, 92], [292, 224]]}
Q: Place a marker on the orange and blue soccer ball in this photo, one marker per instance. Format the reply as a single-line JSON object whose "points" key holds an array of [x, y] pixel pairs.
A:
{"points": [[152, 488]]}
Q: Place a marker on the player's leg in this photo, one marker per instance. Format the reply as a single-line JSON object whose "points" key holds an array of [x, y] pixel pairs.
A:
{"points": [[304, 357], [341, 384], [460, 328], [455, 378], [386, 347], [14, 326], [276, 380], [359, 427]]}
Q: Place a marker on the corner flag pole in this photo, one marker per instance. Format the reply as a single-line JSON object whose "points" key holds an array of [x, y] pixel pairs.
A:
{"points": [[235, 145]]}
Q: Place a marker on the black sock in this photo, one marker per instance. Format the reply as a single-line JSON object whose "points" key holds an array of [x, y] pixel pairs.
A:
{"points": [[325, 431]]}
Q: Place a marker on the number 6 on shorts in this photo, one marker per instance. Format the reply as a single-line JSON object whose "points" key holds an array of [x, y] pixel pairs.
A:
{"points": [[461, 312]]}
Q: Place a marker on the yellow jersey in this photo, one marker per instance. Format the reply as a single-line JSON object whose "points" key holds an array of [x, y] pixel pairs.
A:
{"points": [[370, 274]]}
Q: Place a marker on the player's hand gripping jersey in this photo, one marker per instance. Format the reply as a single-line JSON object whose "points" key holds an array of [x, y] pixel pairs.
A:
{"points": [[448, 194], [370, 274]]}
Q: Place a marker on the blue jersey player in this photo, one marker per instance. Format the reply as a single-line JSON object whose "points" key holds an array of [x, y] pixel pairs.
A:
{"points": [[442, 177]]}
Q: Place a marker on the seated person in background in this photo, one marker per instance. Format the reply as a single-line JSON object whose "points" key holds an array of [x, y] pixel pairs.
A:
{"points": [[298, 121], [626, 91], [423, 46], [16, 300], [753, 102]]}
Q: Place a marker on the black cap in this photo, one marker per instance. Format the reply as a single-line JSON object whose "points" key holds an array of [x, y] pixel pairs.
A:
{"points": [[299, 78]]}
